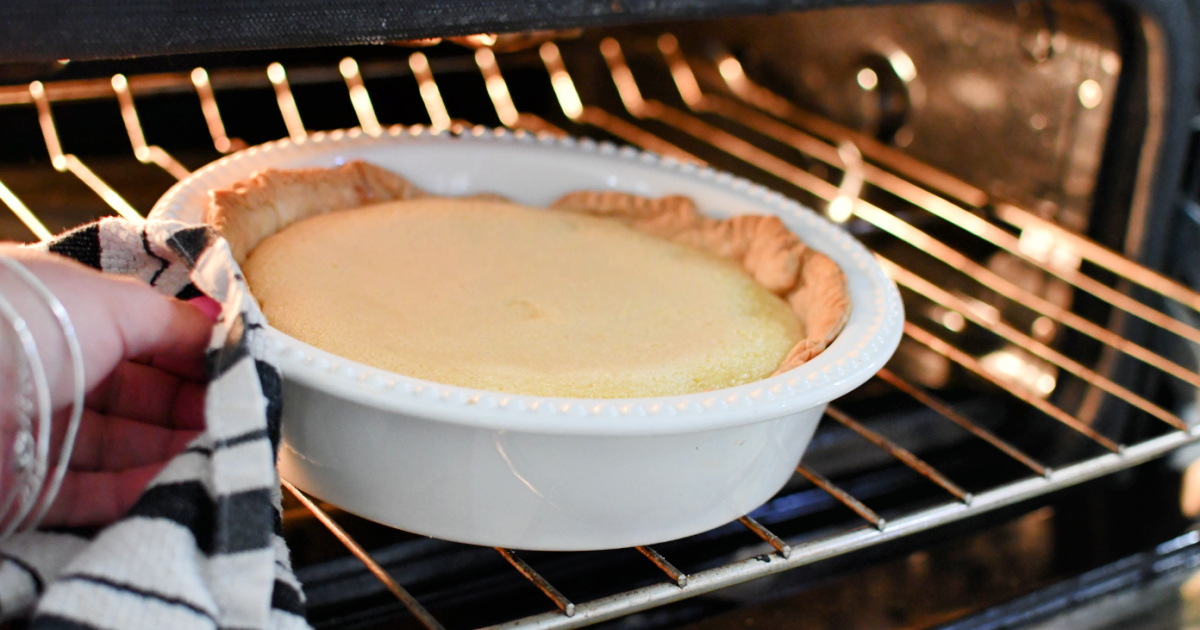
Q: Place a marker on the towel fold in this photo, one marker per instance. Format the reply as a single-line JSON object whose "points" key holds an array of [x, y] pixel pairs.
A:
{"points": [[203, 545]]}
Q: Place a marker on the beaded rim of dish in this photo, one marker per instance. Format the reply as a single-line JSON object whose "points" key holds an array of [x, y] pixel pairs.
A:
{"points": [[845, 358]]}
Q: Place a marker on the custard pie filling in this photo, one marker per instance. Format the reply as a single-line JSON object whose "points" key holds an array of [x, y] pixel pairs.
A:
{"points": [[604, 295]]}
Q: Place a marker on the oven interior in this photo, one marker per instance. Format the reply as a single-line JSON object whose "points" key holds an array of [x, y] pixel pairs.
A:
{"points": [[1006, 162]]}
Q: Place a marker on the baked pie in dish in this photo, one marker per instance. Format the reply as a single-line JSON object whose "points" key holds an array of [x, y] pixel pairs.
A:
{"points": [[607, 295], [551, 472]]}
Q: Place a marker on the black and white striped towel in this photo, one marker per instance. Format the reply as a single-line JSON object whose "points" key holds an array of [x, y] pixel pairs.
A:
{"points": [[203, 546]]}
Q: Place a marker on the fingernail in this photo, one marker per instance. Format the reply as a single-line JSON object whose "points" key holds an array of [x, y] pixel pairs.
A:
{"points": [[210, 307]]}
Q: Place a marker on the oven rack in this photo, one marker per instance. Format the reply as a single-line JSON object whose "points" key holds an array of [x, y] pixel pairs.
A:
{"points": [[843, 173]]}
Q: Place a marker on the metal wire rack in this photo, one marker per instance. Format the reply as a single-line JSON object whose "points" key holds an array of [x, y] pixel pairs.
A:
{"points": [[729, 114]]}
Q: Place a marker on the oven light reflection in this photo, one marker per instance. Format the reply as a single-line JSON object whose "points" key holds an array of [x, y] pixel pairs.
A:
{"points": [[840, 209], [276, 73], [951, 320], [564, 87], [867, 79], [286, 102], [439, 117], [733, 74], [903, 65], [1043, 328], [1021, 369], [1091, 94], [24, 213], [981, 309], [212, 115], [1007, 364], [478, 40], [1042, 246], [497, 89], [359, 98]]}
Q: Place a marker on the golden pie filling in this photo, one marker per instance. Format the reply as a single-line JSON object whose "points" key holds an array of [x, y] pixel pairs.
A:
{"points": [[497, 296]]}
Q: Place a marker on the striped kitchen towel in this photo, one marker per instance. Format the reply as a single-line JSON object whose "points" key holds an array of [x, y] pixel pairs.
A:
{"points": [[203, 545]]}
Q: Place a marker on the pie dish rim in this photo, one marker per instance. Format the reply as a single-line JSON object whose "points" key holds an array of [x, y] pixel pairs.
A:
{"points": [[865, 344]]}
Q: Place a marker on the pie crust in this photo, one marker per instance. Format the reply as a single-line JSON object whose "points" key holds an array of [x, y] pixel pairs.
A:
{"points": [[811, 283]]}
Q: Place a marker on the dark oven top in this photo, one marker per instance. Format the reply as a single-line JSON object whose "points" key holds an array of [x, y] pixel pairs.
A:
{"points": [[47, 30], [125, 28]]}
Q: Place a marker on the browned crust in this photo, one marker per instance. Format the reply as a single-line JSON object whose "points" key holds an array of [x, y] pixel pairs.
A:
{"points": [[809, 281], [270, 200]]}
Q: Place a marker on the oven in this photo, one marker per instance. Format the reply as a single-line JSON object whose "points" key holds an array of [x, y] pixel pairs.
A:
{"points": [[1026, 173]]}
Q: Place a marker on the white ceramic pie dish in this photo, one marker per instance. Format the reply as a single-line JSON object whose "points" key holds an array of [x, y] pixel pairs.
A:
{"points": [[549, 473]]}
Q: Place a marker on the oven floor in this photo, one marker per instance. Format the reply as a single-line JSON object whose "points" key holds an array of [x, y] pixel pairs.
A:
{"points": [[1151, 591], [1169, 603]]}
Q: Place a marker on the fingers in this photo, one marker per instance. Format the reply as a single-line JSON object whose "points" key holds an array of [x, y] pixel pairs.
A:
{"points": [[112, 462], [150, 411], [89, 499], [148, 394], [111, 443], [115, 318], [163, 331]]}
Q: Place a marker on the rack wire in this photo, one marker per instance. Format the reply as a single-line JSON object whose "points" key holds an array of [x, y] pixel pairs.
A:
{"points": [[732, 118]]}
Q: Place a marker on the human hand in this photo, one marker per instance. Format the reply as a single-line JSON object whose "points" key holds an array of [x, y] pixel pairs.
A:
{"points": [[143, 357]]}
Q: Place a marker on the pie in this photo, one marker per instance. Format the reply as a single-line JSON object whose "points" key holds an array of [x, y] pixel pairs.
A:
{"points": [[605, 295]]}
